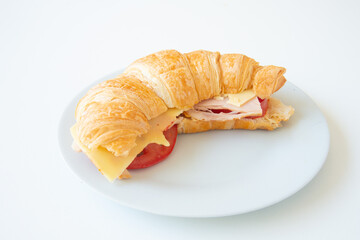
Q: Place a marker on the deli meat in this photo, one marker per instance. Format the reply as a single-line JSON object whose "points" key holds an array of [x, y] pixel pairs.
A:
{"points": [[202, 110]]}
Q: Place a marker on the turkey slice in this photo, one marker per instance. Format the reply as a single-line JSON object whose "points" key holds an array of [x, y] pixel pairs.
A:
{"points": [[202, 110]]}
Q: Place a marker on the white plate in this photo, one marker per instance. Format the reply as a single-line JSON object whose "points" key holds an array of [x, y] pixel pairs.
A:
{"points": [[218, 173]]}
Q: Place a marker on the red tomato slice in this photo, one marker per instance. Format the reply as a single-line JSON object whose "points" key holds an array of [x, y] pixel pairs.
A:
{"points": [[155, 153], [221, 110], [264, 106]]}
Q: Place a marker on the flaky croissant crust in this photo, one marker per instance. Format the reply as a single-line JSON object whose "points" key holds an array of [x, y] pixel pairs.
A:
{"points": [[114, 113]]}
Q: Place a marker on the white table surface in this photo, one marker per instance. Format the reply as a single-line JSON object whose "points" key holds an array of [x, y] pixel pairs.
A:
{"points": [[50, 50]]}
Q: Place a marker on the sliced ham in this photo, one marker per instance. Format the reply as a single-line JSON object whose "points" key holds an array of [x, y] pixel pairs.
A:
{"points": [[202, 110], [212, 103]]}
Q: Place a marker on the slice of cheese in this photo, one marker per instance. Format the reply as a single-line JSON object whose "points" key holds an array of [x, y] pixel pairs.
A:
{"points": [[240, 99], [112, 167]]}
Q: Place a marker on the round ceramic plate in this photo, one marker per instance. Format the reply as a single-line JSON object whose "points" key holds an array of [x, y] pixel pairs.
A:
{"points": [[218, 173]]}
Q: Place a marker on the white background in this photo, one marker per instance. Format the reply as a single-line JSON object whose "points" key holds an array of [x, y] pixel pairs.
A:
{"points": [[49, 51]]}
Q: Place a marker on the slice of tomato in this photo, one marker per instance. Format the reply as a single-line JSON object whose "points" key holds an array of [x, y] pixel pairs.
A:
{"points": [[264, 106], [221, 111], [155, 153]]}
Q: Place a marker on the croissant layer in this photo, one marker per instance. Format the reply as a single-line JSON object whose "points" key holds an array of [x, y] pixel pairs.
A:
{"points": [[182, 80]]}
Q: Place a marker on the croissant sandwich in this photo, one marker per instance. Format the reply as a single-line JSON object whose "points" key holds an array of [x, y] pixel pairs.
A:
{"points": [[132, 121]]}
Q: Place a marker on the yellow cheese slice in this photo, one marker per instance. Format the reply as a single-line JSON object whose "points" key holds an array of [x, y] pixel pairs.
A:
{"points": [[240, 99], [112, 167]]}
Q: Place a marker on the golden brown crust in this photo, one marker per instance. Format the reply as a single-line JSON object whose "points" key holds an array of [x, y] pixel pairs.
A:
{"points": [[268, 79], [237, 72], [277, 112], [125, 175], [182, 80], [167, 73], [205, 69]]}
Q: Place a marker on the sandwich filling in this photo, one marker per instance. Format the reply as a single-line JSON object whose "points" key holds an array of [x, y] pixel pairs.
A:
{"points": [[221, 108], [228, 107]]}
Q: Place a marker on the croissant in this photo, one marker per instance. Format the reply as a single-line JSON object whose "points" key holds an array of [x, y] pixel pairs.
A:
{"points": [[117, 118]]}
